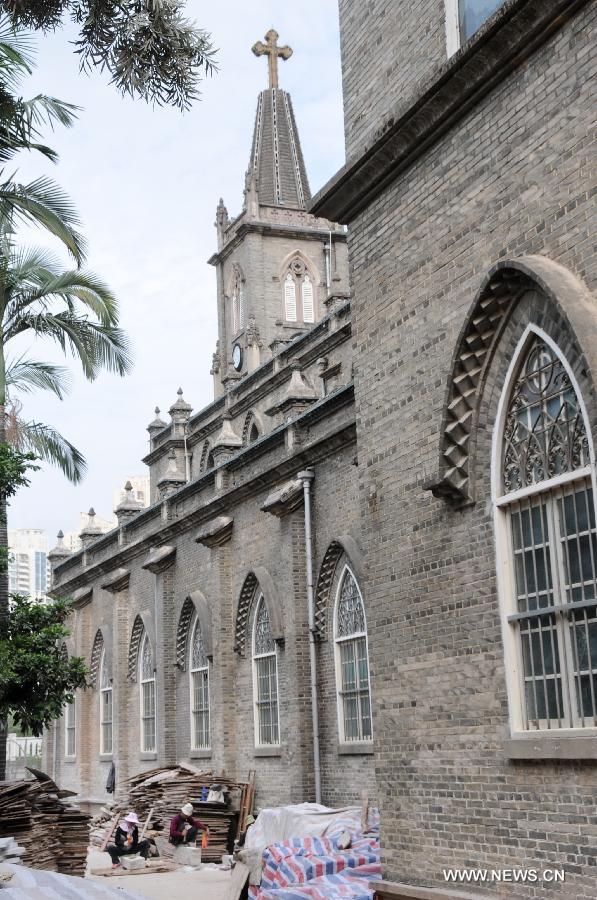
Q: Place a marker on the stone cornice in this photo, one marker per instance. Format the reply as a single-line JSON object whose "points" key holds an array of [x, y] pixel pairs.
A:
{"points": [[284, 500], [117, 580], [159, 559], [216, 533], [504, 43], [314, 233]]}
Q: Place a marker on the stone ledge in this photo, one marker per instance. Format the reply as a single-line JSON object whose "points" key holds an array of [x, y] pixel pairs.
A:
{"points": [[144, 755], [396, 891], [201, 754], [550, 746], [357, 748], [268, 751], [505, 44]]}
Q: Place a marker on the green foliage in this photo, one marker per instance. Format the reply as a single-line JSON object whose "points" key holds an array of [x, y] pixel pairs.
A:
{"points": [[36, 677], [14, 466], [149, 47]]}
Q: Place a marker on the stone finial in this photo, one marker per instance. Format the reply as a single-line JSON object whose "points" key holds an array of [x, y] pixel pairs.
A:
{"points": [[172, 478], [157, 424], [128, 506], [222, 222], [180, 413], [226, 441], [296, 396], [91, 531], [58, 553]]}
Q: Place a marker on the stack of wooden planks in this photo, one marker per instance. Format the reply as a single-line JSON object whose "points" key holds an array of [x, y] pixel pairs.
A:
{"points": [[52, 832], [165, 791]]}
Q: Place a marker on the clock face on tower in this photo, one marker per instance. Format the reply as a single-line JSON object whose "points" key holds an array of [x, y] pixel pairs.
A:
{"points": [[237, 357]]}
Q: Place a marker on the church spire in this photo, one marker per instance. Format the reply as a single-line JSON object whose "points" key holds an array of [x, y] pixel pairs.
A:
{"points": [[276, 168]]}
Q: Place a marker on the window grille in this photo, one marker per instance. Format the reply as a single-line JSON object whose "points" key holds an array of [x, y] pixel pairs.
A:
{"points": [[552, 545], [71, 729], [265, 674], [200, 712], [105, 707], [148, 735], [352, 662]]}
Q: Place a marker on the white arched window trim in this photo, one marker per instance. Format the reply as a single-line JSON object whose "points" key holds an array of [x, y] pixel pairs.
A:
{"points": [[362, 694], [199, 691], [266, 706], [502, 502], [106, 706], [147, 696]]}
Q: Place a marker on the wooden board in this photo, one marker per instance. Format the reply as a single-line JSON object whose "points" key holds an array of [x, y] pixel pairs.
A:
{"points": [[238, 880]]}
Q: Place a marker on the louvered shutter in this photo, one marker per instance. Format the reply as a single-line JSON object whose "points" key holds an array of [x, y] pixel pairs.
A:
{"points": [[308, 305], [290, 298]]}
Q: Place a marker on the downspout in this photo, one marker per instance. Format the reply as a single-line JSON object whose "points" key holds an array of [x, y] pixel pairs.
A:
{"points": [[307, 477]]}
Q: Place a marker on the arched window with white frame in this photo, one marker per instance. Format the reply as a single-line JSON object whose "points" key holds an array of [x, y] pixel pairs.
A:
{"points": [[546, 542], [147, 696], [105, 681], [265, 679], [70, 729], [199, 683], [352, 662], [299, 292]]}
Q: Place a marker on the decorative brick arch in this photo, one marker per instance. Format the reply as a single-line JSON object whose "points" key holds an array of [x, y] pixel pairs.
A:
{"points": [[194, 606], [501, 290], [251, 419], [206, 450], [187, 614], [258, 581], [344, 546], [134, 646], [96, 655]]}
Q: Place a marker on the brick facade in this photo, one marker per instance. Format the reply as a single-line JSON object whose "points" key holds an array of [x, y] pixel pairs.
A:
{"points": [[510, 181]]}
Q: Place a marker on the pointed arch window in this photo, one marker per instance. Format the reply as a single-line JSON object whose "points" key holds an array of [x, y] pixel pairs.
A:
{"points": [[265, 679], [299, 293], [147, 696], [547, 543], [70, 729], [352, 662], [238, 303], [200, 712], [105, 706]]}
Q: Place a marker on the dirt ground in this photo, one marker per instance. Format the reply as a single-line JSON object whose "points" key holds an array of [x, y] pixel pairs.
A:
{"points": [[206, 884]]}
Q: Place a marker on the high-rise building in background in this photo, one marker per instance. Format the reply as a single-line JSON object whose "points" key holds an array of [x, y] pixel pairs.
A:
{"points": [[28, 567]]}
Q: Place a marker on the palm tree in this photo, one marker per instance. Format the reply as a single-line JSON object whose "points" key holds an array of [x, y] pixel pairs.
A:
{"points": [[41, 201]]}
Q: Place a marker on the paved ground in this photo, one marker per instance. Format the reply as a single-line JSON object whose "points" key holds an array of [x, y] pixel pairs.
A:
{"points": [[207, 884]]}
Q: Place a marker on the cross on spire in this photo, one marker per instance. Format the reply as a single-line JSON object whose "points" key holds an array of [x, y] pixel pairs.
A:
{"points": [[273, 52]]}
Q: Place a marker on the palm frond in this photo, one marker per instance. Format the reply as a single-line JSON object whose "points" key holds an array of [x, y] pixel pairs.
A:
{"points": [[50, 446], [43, 203], [26, 375], [96, 346]]}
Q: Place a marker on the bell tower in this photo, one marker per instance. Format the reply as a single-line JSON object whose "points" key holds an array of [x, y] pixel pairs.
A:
{"points": [[279, 268]]}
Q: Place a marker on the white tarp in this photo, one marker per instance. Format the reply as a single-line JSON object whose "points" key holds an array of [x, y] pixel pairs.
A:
{"points": [[301, 820], [33, 884]]}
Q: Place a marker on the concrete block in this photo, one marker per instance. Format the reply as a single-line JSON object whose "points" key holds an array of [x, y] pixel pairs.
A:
{"points": [[188, 856], [132, 862]]}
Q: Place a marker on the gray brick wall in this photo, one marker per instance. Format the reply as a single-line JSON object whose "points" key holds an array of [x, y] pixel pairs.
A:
{"points": [[513, 178]]}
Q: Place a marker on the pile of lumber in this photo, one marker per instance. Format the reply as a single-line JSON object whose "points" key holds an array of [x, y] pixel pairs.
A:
{"points": [[53, 833], [161, 793]]}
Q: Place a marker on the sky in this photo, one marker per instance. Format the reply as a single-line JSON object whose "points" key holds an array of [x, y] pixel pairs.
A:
{"points": [[146, 183]]}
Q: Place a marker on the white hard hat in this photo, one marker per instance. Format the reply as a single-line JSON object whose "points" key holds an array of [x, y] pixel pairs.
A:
{"points": [[187, 809]]}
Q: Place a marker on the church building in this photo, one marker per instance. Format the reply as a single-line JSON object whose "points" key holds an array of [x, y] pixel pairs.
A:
{"points": [[371, 562], [211, 619]]}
